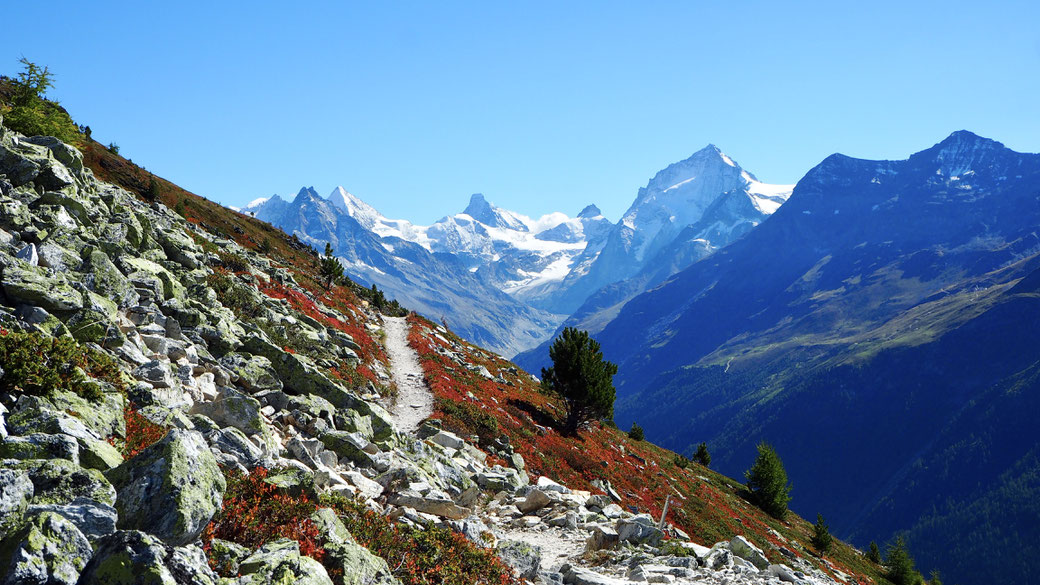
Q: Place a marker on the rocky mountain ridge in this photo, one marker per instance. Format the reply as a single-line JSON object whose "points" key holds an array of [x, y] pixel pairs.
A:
{"points": [[210, 370], [548, 266]]}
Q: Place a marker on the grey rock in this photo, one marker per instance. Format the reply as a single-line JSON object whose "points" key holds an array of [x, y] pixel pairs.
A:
{"points": [[579, 576], [58, 481], [171, 489], [536, 500], [28, 284], [95, 520], [350, 445], [443, 507], [48, 549], [238, 410], [639, 529], [234, 443], [749, 552], [523, 558], [252, 372], [16, 490], [40, 446], [29, 254], [129, 557], [359, 565], [280, 561], [601, 537], [156, 373]]}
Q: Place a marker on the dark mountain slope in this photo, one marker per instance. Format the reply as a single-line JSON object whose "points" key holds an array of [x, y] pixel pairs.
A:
{"points": [[885, 302]]}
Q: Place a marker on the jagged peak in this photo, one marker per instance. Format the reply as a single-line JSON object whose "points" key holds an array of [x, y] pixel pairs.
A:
{"points": [[307, 193], [589, 211], [478, 207]]}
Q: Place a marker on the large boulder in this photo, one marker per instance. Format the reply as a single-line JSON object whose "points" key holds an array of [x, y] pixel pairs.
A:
{"points": [[639, 529], [94, 519], [102, 277], [31, 285], [172, 489], [524, 558], [46, 550], [254, 372], [350, 445], [749, 552], [136, 558], [241, 411], [359, 565], [280, 561], [59, 481]]}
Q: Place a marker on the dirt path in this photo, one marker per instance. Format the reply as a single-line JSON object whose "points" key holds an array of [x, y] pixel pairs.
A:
{"points": [[414, 401]]}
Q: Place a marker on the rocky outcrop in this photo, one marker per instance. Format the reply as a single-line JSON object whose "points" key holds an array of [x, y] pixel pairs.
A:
{"points": [[171, 489]]}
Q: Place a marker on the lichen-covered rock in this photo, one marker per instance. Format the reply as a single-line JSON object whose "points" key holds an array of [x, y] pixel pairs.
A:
{"points": [[254, 372], [280, 561], [16, 489], [639, 529], [136, 558], [349, 445], [102, 277], [359, 565], [749, 552], [40, 446], [227, 555], [522, 557], [300, 377], [171, 489], [95, 520], [46, 550], [235, 409], [31, 285], [58, 481]]}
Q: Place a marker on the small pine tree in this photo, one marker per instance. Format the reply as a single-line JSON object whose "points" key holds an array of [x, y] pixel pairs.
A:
{"points": [[874, 554], [581, 377], [636, 432], [821, 538], [330, 269], [702, 456], [767, 482], [153, 192], [113, 148], [899, 564], [264, 246]]}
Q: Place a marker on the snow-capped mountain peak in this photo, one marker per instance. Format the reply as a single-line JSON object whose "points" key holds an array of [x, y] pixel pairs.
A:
{"points": [[492, 216], [364, 213]]}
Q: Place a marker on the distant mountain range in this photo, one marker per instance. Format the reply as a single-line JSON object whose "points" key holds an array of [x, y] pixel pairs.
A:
{"points": [[508, 281]]}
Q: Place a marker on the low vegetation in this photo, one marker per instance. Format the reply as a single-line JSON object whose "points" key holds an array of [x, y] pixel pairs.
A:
{"points": [[37, 364]]}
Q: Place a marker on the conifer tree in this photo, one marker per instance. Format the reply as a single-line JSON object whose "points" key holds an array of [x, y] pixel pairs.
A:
{"points": [[702, 456], [821, 538], [899, 564], [767, 482], [330, 269], [581, 377], [636, 433], [874, 554]]}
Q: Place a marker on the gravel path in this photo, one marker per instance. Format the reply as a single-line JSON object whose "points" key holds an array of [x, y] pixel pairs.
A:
{"points": [[558, 545], [414, 402]]}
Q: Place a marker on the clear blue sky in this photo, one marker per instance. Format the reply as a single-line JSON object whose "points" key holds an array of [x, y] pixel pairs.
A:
{"points": [[541, 106]]}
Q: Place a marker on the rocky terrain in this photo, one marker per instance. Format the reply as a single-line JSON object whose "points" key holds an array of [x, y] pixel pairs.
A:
{"points": [[163, 382]]}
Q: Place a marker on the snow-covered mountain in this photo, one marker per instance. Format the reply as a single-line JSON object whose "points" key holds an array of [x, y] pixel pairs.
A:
{"points": [[537, 270]]}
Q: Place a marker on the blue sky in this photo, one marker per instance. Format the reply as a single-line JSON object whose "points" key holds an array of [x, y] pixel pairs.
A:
{"points": [[541, 106]]}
